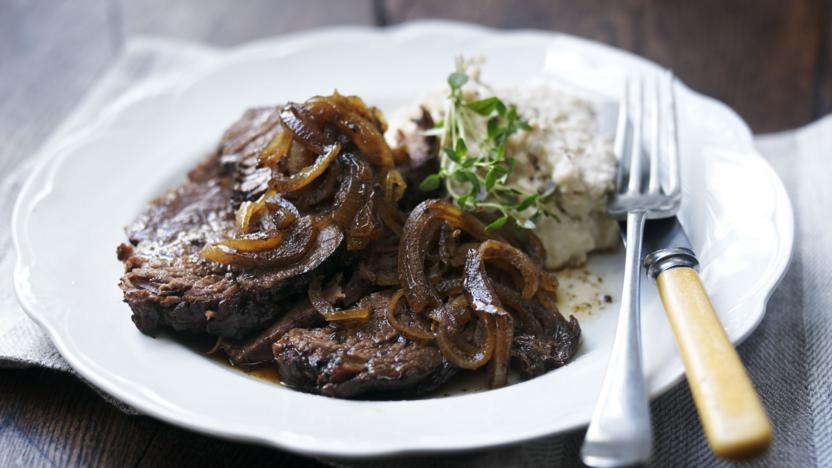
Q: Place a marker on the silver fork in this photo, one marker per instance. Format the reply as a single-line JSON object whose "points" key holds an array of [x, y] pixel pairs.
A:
{"points": [[646, 188]]}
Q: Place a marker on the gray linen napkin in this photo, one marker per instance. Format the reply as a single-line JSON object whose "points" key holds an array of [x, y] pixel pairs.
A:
{"points": [[789, 356]]}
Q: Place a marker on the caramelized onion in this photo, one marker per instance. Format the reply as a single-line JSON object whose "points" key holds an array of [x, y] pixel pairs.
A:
{"points": [[364, 227], [303, 127], [255, 244], [249, 211], [524, 309], [354, 192], [327, 239], [478, 287], [412, 332], [498, 366], [348, 314], [448, 243], [411, 259], [546, 318], [308, 138], [277, 148], [525, 240], [459, 219], [245, 213], [226, 251], [295, 246], [484, 300], [346, 115], [452, 345], [285, 213], [460, 305], [512, 256], [394, 186], [390, 215], [311, 196], [301, 179], [418, 231]]}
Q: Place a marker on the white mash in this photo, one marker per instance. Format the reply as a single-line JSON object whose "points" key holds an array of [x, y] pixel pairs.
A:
{"points": [[564, 147]]}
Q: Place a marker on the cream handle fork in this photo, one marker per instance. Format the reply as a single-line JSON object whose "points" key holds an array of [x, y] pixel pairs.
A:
{"points": [[735, 423]]}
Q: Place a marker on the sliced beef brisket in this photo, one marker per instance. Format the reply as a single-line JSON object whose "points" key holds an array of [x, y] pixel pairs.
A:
{"points": [[167, 283], [371, 357]]}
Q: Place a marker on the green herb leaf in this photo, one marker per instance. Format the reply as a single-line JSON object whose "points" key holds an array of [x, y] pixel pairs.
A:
{"points": [[452, 155], [501, 108], [456, 80], [497, 224], [461, 148], [500, 154], [512, 114], [472, 179], [491, 177], [464, 201], [527, 202], [484, 107], [500, 169], [493, 126], [430, 183]]}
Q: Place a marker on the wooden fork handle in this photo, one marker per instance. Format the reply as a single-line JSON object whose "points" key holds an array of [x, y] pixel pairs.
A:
{"points": [[735, 423]]}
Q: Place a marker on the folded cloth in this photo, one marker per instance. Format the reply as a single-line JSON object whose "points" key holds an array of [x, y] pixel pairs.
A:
{"points": [[789, 357]]}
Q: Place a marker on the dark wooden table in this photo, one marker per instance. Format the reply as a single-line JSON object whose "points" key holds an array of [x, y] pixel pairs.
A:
{"points": [[768, 59]]}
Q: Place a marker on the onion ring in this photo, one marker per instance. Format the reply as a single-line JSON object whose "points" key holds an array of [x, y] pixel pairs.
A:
{"points": [[354, 191], [484, 300], [418, 231], [295, 245], [276, 149], [509, 255], [304, 177], [413, 333], [450, 346]]}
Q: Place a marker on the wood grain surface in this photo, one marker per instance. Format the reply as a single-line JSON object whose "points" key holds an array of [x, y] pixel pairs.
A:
{"points": [[768, 59], [764, 58]]}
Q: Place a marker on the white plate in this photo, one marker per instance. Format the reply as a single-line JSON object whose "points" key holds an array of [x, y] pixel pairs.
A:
{"points": [[70, 214]]}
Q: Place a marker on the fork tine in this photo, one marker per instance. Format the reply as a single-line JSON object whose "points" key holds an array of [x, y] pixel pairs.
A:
{"points": [[634, 179], [621, 131], [654, 184], [673, 176]]}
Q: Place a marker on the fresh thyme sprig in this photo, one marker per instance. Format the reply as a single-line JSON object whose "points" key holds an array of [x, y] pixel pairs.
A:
{"points": [[474, 164]]}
